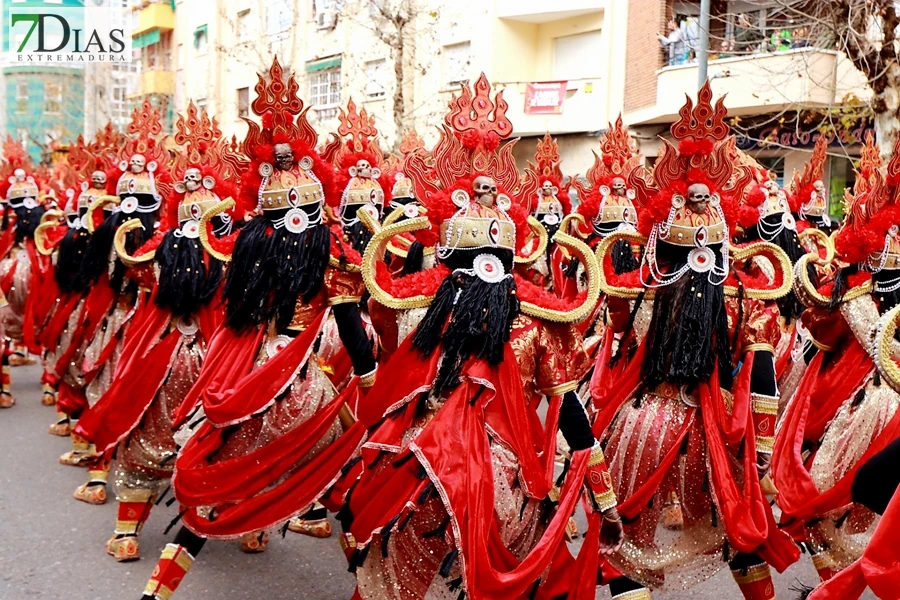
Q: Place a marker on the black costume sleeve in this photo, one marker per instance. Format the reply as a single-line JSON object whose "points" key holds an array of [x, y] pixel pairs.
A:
{"points": [[762, 379], [876, 481], [574, 424], [354, 337]]}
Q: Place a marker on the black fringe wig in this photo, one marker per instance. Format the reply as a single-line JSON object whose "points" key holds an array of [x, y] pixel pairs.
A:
{"points": [[480, 318], [27, 220], [185, 282], [100, 247], [415, 256], [69, 276], [788, 240], [688, 332], [270, 269], [358, 236]]}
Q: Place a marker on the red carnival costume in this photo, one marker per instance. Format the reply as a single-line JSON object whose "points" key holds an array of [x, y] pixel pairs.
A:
{"points": [[809, 196], [674, 415], [274, 432], [140, 183], [843, 412], [165, 346], [457, 489]]}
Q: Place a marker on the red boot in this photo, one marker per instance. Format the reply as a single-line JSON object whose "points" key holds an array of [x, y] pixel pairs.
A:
{"points": [[755, 582], [173, 565]]}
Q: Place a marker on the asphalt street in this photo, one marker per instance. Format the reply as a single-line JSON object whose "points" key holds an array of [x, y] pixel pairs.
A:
{"points": [[53, 546]]}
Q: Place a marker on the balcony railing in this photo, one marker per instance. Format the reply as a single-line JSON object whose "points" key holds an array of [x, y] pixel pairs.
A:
{"points": [[156, 81], [585, 108], [760, 83]]}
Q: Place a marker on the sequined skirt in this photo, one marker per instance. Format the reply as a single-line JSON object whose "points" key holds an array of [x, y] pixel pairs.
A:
{"points": [[146, 457], [659, 558], [72, 374], [844, 533], [108, 332], [18, 292], [410, 570]]}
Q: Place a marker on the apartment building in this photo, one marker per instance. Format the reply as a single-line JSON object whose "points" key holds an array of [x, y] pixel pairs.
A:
{"points": [[777, 82], [561, 65]]}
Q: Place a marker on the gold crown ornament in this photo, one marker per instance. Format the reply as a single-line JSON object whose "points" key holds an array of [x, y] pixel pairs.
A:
{"points": [[23, 190]]}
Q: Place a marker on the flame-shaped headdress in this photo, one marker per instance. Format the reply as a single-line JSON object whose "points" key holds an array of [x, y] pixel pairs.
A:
{"points": [[143, 191], [810, 196], [551, 202]]}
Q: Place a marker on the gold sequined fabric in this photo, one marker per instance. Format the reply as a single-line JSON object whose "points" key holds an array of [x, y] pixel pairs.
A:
{"points": [[145, 458], [106, 333], [12, 314]]}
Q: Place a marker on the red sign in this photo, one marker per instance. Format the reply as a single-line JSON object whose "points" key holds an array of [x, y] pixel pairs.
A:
{"points": [[545, 98]]}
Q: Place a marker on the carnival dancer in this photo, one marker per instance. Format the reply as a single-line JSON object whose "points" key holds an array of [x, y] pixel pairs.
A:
{"points": [[809, 195], [169, 336], [607, 206], [455, 492], [549, 206], [137, 187], [875, 486], [23, 207], [274, 432], [56, 330], [842, 412], [673, 413]]}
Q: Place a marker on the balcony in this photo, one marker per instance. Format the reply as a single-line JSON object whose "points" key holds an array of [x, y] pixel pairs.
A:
{"points": [[154, 16], [760, 83], [540, 11], [584, 109], [156, 81]]}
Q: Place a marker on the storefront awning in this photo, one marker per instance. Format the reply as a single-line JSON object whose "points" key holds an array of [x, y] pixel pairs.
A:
{"points": [[142, 41]]}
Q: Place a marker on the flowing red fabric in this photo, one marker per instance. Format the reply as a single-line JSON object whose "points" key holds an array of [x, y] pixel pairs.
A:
{"points": [[7, 240], [231, 400], [239, 482], [878, 568], [576, 578], [819, 396], [229, 356], [120, 409], [7, 281], [42, 294], [49, 335], [98, 302]]}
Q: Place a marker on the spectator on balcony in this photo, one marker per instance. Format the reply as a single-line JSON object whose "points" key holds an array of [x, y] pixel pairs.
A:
{"points": [[674, 43], [690, 32], [801, 38], [781, 40], [747, 36]]}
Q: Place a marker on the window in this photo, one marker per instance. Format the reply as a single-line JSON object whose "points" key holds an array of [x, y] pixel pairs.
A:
{"points": [[243, 102], [201, 39], [457, 60], [279, 16], [243, 25], [22, 97], [325, 13], [119, 101], [53, 93], [376, 80], [325, 86], [569, 56]]}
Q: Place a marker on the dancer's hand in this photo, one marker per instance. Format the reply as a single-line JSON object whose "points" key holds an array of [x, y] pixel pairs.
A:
{"points": [[611, 534], [763, 462]]}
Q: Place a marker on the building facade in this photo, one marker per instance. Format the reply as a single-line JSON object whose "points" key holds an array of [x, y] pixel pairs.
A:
{"points": [[778, 91]]}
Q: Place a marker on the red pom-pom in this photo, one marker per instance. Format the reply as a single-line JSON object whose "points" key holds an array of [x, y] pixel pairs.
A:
{"points": [[756, 196], [491, 141], [607, 160], [471, 139], [747, 216], [687, 147]]}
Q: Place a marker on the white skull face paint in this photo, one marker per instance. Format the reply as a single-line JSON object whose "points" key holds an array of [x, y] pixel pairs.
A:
{"points": [[698, 198], [485, 190], [138, 163]]}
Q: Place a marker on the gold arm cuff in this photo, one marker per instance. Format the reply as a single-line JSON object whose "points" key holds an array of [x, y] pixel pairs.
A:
{"points": [[606, 500], [368, 380], [760, 348], [344, 300], [559, 390], [765, 444], [597, 456], [820, 345], [764, 405]]}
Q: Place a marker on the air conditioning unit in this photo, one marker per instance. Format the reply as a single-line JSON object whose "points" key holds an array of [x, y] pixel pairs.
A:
{"points": [[326, 19]]}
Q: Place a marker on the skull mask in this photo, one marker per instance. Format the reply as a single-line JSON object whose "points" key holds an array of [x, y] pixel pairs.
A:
{"points": [[485, 190], [698, 198], [138, 163], [98, 180], [548, 189], [363, 169], [819, 186], [20, 174], [192, 179], [284, 156], [618, 186]]}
